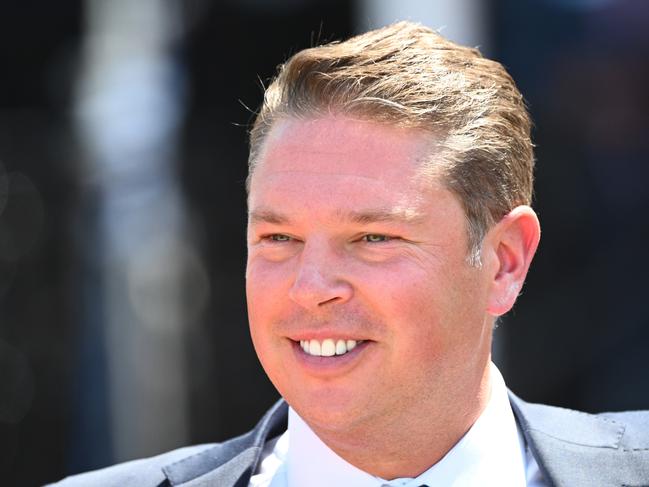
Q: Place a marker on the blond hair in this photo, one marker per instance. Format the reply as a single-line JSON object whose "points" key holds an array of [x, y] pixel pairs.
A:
{"points": [[408, 75]]}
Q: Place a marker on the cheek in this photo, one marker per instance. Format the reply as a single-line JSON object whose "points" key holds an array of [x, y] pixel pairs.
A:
{"points": [[261, 301], [265, 284], [425, 307], [260, 298], [408, 301]]}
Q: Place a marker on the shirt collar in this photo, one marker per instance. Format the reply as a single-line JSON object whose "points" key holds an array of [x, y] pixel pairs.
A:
{"points": [[491, 453]]}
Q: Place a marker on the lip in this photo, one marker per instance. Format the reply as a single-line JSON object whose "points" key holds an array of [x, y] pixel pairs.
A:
{"points": [[329, 366]]}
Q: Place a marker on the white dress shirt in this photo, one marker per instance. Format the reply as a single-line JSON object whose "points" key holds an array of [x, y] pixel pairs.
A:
{"points": [[491, 454]]}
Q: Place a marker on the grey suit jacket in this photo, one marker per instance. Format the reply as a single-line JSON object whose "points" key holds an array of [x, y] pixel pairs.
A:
{"points": [[572, 449]]}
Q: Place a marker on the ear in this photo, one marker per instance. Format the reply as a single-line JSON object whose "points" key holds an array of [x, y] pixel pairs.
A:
{"points": [[512, 243]]}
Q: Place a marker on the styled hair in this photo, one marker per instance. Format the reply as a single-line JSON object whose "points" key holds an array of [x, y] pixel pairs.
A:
{"points": [[408, 75]]}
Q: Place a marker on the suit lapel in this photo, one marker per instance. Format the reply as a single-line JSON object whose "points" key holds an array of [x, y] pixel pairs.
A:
{"points": [[236, 472], [230, 463]]}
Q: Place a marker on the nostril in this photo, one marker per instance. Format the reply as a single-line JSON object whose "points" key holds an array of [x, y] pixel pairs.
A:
{"points": [[336, 298]]}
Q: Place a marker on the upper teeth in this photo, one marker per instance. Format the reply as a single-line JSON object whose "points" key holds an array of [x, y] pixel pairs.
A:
{"points": [[327, 347]]}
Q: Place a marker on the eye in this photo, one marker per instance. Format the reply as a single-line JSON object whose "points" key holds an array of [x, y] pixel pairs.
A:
{"points": [[278, 237], [375, 238]]}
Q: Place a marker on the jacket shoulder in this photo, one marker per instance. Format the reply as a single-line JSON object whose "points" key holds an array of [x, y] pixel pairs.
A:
{"points": [[578, 449], [239, 454], [624, 430], [146, 472]]}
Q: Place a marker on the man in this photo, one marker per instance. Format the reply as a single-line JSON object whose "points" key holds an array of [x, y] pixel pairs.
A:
{"points": [[389, 227]]}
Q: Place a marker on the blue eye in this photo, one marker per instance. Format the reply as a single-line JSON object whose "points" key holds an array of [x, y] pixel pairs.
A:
{"points": [[375, 238]]}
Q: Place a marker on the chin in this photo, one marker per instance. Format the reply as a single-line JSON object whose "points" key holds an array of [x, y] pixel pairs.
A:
{"points": [[329, 411]]}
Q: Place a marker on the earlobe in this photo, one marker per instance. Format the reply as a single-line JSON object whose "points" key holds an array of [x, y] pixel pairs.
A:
{"points": [[514, 240]]}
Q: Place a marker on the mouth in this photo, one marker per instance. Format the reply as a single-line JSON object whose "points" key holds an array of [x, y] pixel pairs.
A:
{"points": [[328, 347]]}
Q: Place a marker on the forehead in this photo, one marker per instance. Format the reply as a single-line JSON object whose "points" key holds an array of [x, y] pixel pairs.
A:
{"points": [[344, 147]]}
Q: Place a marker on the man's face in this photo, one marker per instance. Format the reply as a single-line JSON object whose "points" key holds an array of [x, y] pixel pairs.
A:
{"points": [[348, 243]]}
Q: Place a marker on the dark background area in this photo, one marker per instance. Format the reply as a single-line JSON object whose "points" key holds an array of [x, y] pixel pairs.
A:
{"points": [[579, 336]]}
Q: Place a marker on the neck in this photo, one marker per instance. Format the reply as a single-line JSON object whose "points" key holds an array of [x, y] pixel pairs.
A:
{"points": [[394, 447]]}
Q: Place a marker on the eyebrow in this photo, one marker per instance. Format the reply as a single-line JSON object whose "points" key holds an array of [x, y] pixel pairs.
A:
{"points": [[267, 216], [396, 215], [363, 217]]}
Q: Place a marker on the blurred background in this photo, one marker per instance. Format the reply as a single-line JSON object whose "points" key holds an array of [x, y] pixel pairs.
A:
{"points": [[123, 145]]}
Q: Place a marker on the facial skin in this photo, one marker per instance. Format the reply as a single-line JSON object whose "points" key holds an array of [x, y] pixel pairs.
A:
{"points": [[347, 239]]}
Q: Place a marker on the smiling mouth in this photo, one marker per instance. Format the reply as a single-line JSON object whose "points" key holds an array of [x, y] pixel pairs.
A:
{"points": [[328, 347]]}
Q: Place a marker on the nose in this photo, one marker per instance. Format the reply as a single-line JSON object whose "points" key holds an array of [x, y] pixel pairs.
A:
{"points": [[319, 279]]}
